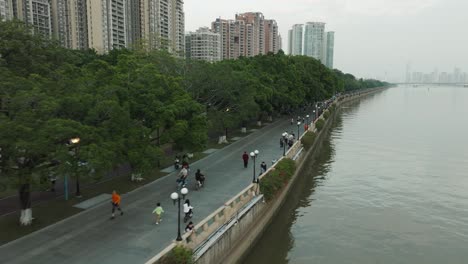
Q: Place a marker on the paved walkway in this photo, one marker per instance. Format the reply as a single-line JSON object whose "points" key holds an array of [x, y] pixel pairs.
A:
{"points": [[91, 237]]}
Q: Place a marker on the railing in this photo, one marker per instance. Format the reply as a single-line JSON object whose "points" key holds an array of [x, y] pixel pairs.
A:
{"points": [[220, 216]]}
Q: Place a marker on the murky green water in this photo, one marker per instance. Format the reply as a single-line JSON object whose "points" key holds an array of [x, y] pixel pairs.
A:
{"points": [[390, 186]]}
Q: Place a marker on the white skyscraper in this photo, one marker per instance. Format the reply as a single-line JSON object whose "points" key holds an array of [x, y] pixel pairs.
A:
{"points": [[329, 49], [203, 44], [314, 39], [295, 40]]}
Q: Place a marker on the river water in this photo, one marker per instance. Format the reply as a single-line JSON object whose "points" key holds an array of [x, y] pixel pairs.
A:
{"points": [[389, 186]]}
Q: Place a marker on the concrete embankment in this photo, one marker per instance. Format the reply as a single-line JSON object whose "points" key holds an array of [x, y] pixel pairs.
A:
{"points": [[228, 234]]}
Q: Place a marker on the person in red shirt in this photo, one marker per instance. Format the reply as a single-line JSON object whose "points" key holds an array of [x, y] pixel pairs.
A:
{"points": [[115, 203], [245, 157]]}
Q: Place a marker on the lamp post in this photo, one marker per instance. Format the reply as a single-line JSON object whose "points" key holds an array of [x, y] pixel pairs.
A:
{"points": [[177, 197], [76, 142], [308, 122], [298, 135], [315, 116], [285, 136], [253, 155]]}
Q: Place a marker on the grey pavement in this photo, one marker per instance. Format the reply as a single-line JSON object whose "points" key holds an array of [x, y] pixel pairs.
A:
{"points": [[91, 237]]}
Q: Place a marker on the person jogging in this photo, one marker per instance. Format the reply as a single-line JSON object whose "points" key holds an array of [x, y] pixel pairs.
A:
{"points": [[116, 203], [158, 211]]}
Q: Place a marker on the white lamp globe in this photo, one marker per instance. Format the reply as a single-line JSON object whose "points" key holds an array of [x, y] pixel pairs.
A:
{"points": [[174, 196], [256, 152], [184, 191]]}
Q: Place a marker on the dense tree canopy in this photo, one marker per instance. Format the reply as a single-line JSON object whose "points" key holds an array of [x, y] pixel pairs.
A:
{"points": [[125, 104]]}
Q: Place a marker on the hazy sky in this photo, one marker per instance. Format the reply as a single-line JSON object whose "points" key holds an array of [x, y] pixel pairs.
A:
{"points": [[373, 37]]}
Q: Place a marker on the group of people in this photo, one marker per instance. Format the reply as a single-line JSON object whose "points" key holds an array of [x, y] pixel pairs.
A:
{"points": [[183, 176], [158, 211]]}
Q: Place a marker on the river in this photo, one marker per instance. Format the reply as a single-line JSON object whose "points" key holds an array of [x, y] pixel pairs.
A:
{"points": [[390, 186]]}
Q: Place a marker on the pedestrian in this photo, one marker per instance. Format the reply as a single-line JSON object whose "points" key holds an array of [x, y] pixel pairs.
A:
{"points": [[188, 210], [306, 127], [158, 211], [292, 121], [115, 203], [189, 227], [263, 167], [245, 157]]}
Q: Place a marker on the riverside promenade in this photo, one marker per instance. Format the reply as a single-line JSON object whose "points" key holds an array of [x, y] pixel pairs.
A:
{"points": [[91, 237]]}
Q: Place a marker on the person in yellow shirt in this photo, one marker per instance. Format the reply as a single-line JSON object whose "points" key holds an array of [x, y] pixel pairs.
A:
{"points": [[158, 211], [115, 203]]}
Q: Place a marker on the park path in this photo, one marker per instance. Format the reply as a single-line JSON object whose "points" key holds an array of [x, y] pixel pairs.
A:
{"points": [[91, 237]]}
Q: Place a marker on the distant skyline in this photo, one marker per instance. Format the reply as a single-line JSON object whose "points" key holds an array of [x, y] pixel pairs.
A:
{"points": [[374, 38]]}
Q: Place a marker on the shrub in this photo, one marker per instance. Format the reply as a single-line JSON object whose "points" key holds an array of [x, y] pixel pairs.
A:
{"points": [[308, 139], [276, 179], [320, 124], [178, 255], [326, 114]]}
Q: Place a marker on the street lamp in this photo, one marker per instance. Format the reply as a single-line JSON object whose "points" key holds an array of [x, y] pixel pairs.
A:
{"points": [[177, 197], [315, 116], [253, 155], [76, 141], [285, 136], [298, 135], [308, 122]]}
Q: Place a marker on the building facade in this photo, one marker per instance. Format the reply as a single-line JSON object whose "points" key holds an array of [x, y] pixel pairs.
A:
{"points": [[203, 44], [312, 40], [249, 34], [329, 49], [6, 9], [104, 24], [295, 39], [106, 21]]}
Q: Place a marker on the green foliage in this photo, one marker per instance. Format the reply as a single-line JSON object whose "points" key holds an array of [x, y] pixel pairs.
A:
{"points": [[126, 104], [320, 124], [326, 114], [178, 255], [276, 179], [308, 139]]}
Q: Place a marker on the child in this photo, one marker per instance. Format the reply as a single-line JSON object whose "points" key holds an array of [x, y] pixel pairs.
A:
{"points": [[158, 211]]}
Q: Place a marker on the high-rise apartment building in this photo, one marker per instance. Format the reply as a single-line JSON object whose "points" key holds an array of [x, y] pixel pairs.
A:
{"points": [[329, 49], [295, 39], [6, 9], [312, 40], [106, 24], [162, 24], [203, 44], [250, 34], [34, 12], [272, 37]]}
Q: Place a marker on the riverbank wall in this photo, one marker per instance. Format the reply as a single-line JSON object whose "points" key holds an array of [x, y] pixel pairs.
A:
{"points": [[229, 233]]}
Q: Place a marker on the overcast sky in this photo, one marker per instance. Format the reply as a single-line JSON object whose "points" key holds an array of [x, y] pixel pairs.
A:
{"points": [[373, 37]]}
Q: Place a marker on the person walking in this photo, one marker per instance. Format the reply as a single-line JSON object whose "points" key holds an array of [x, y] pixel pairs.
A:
{"points": [[116, 203], [245, 157], [188, 210], [263, 167], [158, 211]]}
